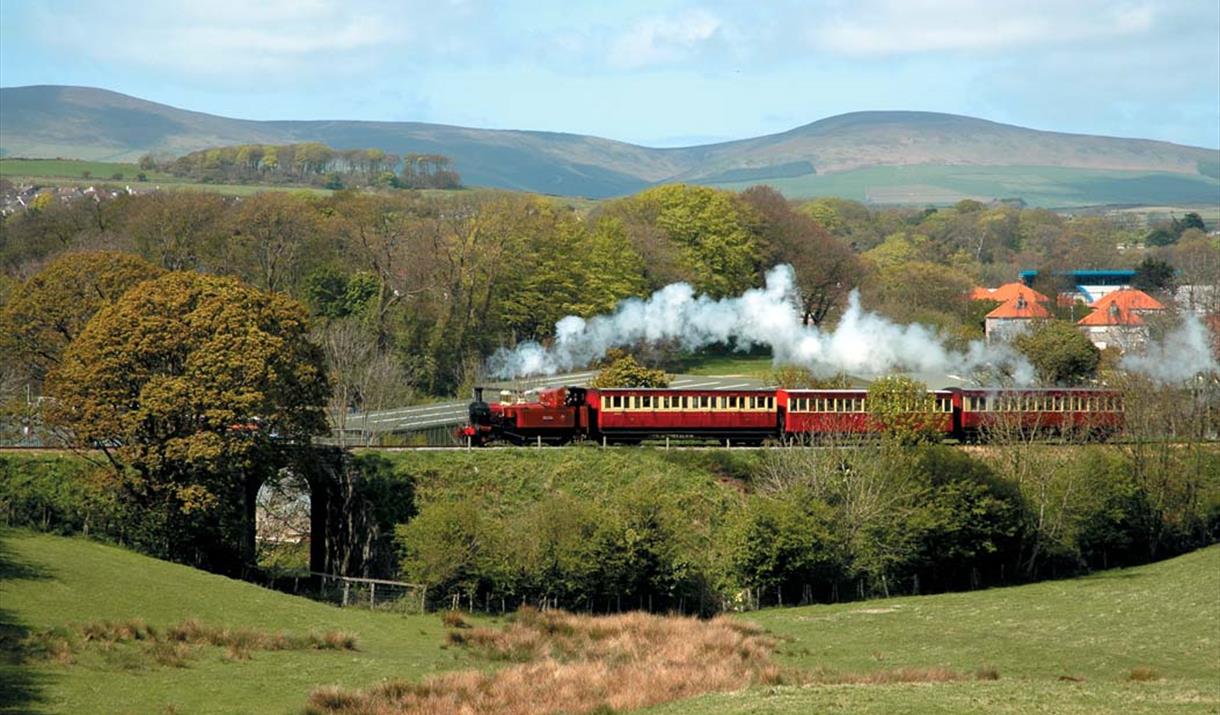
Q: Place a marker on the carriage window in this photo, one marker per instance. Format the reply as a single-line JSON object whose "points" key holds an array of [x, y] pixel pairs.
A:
{"points": [[733, 402], [646, 402], [704, 402]]}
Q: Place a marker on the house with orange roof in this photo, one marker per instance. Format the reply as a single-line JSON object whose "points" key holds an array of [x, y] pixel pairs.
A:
{"points": [[1007, 292], [1015, 316], [1118, 319]]}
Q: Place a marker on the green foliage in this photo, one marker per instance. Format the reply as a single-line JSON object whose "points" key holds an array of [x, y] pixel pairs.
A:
{"points": [[626, 372], [1153, 275], [904, 409], [800, 377], [334, 294], [1060, 353], [307, 163], [710, 230], [780, 543]]}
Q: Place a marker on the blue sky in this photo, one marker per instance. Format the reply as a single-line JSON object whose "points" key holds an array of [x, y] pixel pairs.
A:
{"points": [[658, 73]]}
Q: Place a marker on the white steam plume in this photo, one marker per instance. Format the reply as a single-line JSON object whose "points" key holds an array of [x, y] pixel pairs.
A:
{"points": [[863, 343], [1181, 355]]}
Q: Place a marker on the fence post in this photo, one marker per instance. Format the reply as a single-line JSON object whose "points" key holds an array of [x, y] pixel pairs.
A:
{"points": [[346, 586], [372, 595]]}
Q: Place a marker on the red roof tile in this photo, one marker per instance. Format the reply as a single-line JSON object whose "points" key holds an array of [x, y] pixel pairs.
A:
{"points": [[1129, 299], [1019, 307], [1006, 292]]}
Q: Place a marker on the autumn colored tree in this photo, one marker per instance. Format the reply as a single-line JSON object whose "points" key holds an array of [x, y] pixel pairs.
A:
{"points": [[178, 230], [274, 232], [49, 310], [193, 387], [826, 268]]}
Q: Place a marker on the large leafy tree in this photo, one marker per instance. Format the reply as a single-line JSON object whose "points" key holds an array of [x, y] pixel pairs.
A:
{"points": [[826, 268], [50, 309], [1060, 353], [193, 387], [695, 233]]}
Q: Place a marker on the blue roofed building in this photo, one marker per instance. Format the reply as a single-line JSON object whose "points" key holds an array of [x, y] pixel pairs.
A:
{"points": [[1091, 285]]}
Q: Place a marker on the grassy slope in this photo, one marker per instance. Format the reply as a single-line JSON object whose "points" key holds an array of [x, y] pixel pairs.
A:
{"points": [[507, 479], [1039, 185], [77, 581], [1164, 615]]}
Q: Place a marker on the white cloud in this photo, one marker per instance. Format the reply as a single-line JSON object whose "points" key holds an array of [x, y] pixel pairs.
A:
{"points": [[875, 28], [664, 39], [230, 40]]}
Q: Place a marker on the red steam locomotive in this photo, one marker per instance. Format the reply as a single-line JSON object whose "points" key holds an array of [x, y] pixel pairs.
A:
{"points": [[559, 415]]}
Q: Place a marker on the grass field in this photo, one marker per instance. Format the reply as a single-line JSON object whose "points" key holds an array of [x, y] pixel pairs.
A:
{"points": [[1037, 185], [1065, 646], [73, 169], [51, 581], [1060, 646]]}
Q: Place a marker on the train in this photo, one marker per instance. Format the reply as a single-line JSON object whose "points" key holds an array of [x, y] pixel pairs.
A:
{"points": [[561, 415]]}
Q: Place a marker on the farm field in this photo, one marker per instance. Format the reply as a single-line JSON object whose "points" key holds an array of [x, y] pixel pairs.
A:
{"points": [[1044, 186], [1064, 646], [74, 169], [1058, 646], [50, 581]]}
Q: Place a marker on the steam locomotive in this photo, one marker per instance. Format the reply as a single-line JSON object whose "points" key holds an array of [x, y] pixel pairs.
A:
{"points": [[559, 415]]}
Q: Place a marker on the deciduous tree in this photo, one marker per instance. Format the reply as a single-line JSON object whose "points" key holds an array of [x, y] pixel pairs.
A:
{"points": [[190, 385]]}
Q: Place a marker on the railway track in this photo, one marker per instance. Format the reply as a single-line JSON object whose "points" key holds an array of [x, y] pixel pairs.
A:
{"points": [[674, 447]]}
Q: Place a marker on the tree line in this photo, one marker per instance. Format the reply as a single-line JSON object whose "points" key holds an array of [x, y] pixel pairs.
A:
{"points": [[310, 164]]}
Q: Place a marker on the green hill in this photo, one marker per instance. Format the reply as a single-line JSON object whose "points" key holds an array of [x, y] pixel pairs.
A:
{"points": [[50, 581], [950, 156], [1066, 646]]}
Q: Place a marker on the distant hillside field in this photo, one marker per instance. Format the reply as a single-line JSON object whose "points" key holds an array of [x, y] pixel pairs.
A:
{"points": [[914, 157], [1064, 646]]}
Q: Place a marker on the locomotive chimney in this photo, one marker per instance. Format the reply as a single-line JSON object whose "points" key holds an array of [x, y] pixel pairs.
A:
{"points": [[478, 394]]}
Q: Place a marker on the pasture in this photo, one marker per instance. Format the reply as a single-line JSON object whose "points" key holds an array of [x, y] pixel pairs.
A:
{"points": [[1043, 186], [1145, 639]]}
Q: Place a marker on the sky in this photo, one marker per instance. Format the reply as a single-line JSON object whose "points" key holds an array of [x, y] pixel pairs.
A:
{"points": [[652, 72]]}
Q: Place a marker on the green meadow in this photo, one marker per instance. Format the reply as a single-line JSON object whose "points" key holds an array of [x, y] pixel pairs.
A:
{"points": [[1145, 639], [1045, 186]]}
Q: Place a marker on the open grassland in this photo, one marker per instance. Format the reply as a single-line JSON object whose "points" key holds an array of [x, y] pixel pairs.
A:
{"points": [[13, 169], [1046, 186], [1145, 639], [49, 582]]}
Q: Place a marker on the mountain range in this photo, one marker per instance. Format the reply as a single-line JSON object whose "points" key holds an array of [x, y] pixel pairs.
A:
{"points": [[880, 156]]}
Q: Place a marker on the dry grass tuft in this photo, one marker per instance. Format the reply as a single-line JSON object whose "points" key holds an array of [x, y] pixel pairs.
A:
{"points": [[987, 672], [1143, 674], [453, 619], [577, 664], [173, 646]]}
